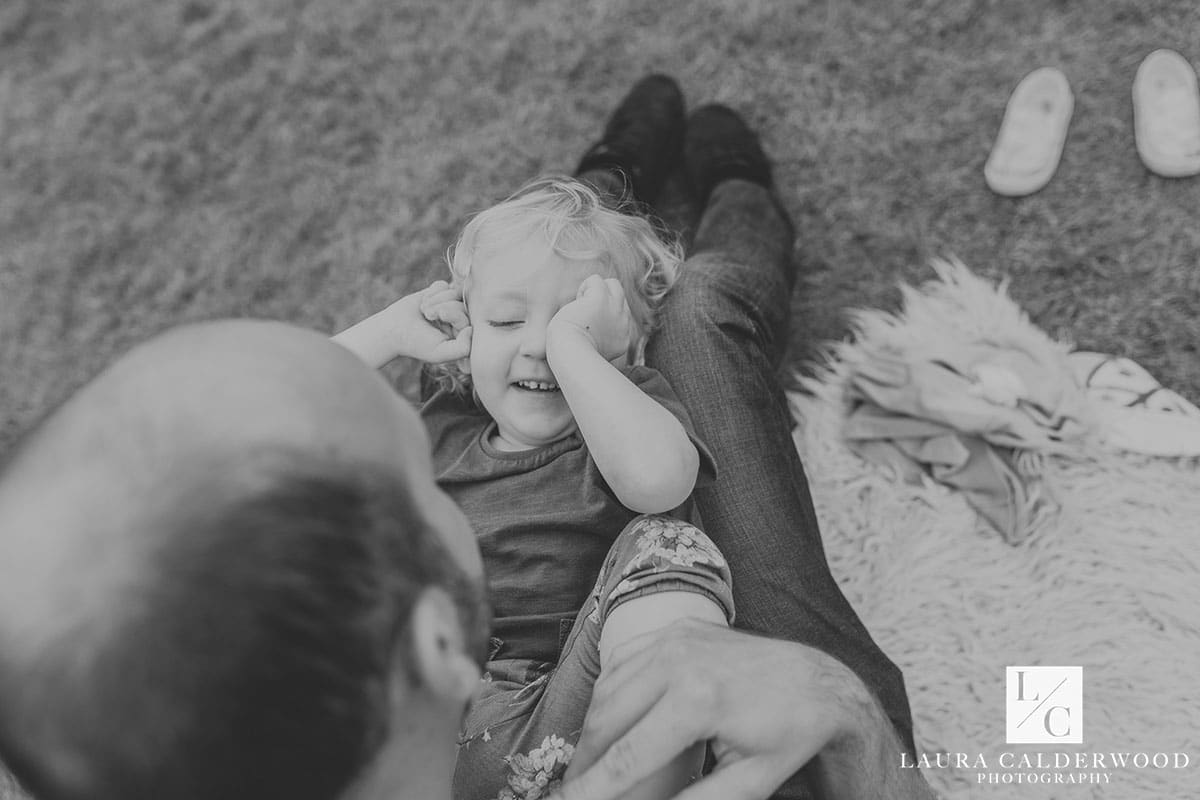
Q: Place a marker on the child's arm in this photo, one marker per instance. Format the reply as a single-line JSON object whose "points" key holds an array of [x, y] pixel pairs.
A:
{"points": [[414, 326], [641, 448]]}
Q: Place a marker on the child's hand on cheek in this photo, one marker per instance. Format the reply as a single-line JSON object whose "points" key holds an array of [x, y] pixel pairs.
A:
{"points": [[599, 313]]}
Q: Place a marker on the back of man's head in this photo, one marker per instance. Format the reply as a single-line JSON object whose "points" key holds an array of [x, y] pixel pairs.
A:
{"points": [[213, 612]]}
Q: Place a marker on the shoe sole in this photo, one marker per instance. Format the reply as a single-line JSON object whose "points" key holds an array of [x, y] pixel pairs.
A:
{"points": [[1166, 115], [1030, 142]]}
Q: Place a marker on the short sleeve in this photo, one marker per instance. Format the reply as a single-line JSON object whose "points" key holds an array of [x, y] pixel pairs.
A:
{"points": [[652, 382], [452, 422]]}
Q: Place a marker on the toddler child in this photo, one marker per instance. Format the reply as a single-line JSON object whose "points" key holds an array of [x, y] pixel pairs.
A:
{"points": [[564, 454]]}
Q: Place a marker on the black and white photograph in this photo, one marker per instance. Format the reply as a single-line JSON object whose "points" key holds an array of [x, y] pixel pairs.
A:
{"points": [[609, 400]]}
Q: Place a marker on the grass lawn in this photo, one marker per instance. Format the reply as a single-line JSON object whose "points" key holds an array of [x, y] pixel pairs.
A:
{"points": [[309, 161]]}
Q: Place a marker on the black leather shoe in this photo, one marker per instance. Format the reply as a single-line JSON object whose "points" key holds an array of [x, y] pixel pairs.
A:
{"points": [[720, 146], [643, 137]]}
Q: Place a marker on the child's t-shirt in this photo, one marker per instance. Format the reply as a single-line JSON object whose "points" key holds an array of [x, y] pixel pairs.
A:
{"points": [[544, 518]]}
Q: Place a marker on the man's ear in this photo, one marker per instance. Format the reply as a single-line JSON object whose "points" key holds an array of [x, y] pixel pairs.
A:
{"points": [[440, 653]]}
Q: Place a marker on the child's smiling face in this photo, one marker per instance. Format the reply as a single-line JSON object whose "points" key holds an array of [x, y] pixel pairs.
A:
{"points": [[511, 300]]}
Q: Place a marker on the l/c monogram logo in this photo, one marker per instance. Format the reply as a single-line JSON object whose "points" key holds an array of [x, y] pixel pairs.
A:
{"points": [[1044, 705]]}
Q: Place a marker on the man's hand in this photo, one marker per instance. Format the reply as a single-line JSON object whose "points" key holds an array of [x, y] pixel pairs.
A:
{"points": [[600, 313], [768, 707]]}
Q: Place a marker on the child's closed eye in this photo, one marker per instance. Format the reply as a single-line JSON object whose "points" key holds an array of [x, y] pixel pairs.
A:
{"points": [[504, 323]]}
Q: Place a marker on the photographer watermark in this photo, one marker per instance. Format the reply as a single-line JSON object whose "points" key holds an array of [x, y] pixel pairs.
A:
{"points": [[1044, 705], [1042, 768]]}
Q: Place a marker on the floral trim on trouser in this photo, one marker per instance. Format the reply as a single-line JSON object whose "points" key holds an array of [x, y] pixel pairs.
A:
{"points": [[538, 773], [663, 542]]}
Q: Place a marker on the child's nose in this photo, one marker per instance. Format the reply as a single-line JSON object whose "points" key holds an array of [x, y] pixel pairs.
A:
{"points": [[533, 341]]}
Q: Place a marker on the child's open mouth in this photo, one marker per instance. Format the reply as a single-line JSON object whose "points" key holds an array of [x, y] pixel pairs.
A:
{"points": [[538, 386]]}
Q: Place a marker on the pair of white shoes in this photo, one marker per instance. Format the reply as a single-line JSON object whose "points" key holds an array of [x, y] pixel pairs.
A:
{"points": [[1166, 124]]}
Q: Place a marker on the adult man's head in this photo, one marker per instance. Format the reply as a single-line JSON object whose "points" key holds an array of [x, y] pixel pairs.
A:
{"points": [[225, 571]]}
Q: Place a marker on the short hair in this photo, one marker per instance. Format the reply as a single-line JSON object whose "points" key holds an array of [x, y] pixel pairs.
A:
{"points": [[255, 658], [576, 223]]}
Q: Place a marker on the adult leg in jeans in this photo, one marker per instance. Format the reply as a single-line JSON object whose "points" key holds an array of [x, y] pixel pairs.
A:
{"points": [[722, 334]]}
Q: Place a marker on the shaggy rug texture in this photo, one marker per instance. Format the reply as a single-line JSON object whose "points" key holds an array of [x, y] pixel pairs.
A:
{"points": [[1111, 583]]}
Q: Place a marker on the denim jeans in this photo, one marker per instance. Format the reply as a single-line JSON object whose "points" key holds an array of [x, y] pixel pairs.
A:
{"points": [[722, 334]]}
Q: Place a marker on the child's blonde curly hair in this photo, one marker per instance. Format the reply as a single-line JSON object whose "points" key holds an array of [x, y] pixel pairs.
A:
{"points": [[576, 224]]}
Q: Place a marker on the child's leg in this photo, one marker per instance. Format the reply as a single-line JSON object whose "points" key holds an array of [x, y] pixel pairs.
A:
{"points": [[650, 613], [661, 571], [647, 614], [519, 734]]}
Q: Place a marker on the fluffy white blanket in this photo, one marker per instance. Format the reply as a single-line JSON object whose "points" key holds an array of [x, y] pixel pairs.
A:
{"points": [[1112, 584]]}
